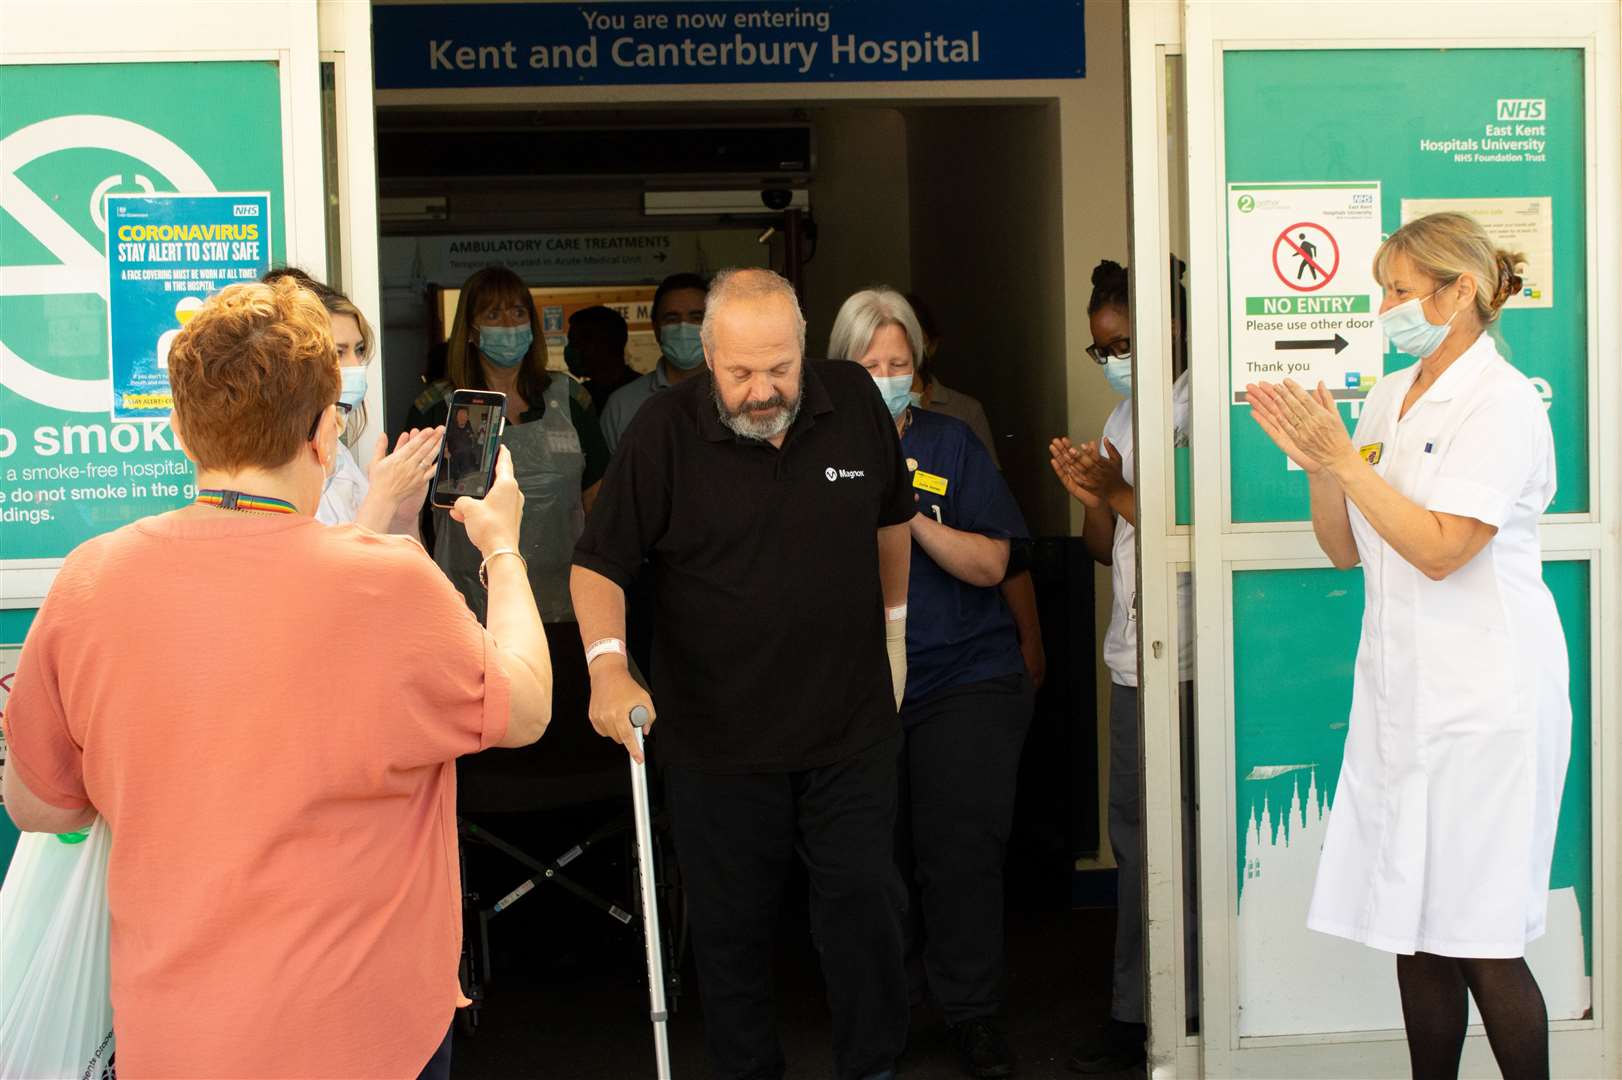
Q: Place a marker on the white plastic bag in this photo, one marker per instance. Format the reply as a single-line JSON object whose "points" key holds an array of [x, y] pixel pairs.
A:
{"points": [[56, 1018]]}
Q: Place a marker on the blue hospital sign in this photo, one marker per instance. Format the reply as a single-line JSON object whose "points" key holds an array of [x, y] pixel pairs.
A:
{"points": [[440, 46]]}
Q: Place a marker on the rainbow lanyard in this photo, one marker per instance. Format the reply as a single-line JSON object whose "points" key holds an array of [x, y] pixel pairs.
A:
{"points": [[247, 504]]}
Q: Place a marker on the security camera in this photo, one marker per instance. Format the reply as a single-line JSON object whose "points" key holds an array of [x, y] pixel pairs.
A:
{"points": [[777, 198]]}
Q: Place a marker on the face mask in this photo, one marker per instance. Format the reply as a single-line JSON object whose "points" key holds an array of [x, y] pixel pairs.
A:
{"points": [[1410, 332], [682, 345], [354, 388], [897, 391], [505, 346], [915, 398], [573, 360], [1118, 373]]}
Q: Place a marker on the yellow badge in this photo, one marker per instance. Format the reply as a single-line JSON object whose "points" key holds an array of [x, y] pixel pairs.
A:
{"points": [[1371, 452], [935, 485]]}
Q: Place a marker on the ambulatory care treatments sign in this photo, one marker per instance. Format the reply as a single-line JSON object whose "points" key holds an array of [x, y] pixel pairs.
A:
{"points": [[70, 136]]}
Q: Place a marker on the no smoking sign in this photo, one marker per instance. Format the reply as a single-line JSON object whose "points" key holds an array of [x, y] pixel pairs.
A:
{"points": [[1306, 256]]}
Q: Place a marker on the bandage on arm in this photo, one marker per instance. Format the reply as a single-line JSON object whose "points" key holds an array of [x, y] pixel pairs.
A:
{"points": [[895, 648], [895, 564]]}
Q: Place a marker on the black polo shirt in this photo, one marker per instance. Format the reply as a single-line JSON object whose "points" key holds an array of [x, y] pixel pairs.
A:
{"points": [[769, 615]]}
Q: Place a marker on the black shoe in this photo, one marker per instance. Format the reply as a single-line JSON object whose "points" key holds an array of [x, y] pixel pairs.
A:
{"points": [[1119, 1046], [982, 1048]]}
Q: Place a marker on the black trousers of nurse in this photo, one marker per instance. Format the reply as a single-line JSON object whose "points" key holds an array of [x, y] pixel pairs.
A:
{"points": [[735, 835], [959, 773]]}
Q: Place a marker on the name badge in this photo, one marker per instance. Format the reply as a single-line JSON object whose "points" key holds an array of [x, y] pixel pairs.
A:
{"points": [[935, 485], [563, 442], [1371, 453]]}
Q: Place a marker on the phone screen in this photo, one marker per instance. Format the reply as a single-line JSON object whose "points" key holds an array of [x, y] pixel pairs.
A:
{"points": [[471, 440]]}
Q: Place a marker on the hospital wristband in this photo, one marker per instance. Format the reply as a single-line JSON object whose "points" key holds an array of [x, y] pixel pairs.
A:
{"points": [[604, 646]]}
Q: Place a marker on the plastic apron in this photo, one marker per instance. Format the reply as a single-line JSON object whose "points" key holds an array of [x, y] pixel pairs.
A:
{"points": [[548, 464]]}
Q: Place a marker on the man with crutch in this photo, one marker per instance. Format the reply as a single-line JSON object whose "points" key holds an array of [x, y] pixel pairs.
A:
{"points": [[771, 498]]}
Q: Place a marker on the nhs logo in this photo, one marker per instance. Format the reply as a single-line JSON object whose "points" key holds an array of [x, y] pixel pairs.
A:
{"points": [[1521, 109]]}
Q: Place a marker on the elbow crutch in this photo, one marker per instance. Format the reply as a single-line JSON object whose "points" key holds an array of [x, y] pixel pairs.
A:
{"points": [[650, 902]]}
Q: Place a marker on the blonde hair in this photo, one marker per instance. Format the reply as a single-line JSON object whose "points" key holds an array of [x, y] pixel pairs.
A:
{"points": [[337, 303], [251, 373], [1446, 246], [867, 312]]}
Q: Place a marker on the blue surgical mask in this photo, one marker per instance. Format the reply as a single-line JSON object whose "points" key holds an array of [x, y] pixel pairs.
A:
{"points": [[1118, 373], [354, 388], [1408, 330], [505, 346], [915, 398], [682, 345], [897, 392]]}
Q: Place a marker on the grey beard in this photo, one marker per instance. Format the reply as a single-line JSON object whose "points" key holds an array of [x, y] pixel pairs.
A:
{"points": [[745, 424]]}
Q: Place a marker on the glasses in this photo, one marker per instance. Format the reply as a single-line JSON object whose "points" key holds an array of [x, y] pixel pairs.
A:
{"points": [[1103, 354], [344, 409]]}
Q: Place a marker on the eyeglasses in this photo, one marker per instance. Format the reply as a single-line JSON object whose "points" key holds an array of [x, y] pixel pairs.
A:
{"points": [[1103, 354], [344, 409]]}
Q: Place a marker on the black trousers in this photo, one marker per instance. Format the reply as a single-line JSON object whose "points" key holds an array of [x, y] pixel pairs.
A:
{"points": [[439, 1066], [959, 770], [735, 835]]}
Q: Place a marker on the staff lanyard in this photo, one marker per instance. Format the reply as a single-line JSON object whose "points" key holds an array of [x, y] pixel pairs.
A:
{"points": [[247, 504]]}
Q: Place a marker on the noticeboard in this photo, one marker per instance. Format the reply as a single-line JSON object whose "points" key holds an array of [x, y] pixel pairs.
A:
{"points": [[1494, 132]]}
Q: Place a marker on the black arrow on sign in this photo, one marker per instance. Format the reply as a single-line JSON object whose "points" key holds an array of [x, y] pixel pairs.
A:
{"points": [[1337, 343]]}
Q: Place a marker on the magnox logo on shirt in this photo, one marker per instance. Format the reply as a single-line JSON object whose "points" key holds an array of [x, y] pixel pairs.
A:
{"points": [[843, 474]]}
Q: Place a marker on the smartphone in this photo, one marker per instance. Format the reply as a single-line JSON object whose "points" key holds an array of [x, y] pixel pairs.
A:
{"points": [[467, 456]]}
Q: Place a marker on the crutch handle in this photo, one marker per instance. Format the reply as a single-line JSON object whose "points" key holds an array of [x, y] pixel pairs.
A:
{"points": [[639, 716]]}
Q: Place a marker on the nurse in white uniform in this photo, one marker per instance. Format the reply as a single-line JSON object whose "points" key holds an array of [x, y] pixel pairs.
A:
{"points": [[387, 497], [1442, 832]]}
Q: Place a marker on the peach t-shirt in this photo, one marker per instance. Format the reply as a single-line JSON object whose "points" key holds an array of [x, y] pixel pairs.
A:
{"points": [[266, 711]]}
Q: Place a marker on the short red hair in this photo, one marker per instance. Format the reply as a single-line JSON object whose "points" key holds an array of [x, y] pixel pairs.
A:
{"points": [[250, 373]]}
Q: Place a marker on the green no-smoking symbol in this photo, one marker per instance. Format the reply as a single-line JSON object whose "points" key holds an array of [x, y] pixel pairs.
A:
{"points": [[1247, 203]]}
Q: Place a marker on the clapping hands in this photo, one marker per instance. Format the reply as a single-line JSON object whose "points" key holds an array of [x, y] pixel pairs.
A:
{"points": [[1305, 426], [1091, 472]]}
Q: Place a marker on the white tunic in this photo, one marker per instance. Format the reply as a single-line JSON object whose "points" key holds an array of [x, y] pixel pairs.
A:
{"points": [[1442, 831], [1121, 640], [345, 491]]}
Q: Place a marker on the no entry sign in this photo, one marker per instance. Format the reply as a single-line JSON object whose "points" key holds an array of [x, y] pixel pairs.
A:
{"points": [[1306, 256], [1302, 296]]}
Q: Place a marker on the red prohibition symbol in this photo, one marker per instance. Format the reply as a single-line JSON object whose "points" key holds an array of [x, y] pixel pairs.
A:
{"points": [[1311, 270]]}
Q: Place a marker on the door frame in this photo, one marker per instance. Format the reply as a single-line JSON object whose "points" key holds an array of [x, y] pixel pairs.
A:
{"points": [[1219, 547], [345, 41], [283, 31]]}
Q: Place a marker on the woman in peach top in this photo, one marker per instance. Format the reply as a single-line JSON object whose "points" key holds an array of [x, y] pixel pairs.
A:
{"points": [[283, 878]]}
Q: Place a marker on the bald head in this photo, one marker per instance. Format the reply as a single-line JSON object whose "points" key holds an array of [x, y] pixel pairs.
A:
{"points": [[752, 296], [754, 344]]}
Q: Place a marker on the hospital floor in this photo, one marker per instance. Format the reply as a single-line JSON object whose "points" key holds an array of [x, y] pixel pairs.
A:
{"points": [[568, 1000]]}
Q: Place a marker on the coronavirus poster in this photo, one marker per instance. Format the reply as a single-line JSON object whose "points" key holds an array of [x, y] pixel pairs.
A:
{"points": [[165, 255]]}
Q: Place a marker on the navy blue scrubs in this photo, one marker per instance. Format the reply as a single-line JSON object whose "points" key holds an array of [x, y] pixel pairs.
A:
{"points": [[964, 718]]}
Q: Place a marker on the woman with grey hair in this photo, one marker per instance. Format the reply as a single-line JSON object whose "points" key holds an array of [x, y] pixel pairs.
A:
{"points": [[968, 698]]}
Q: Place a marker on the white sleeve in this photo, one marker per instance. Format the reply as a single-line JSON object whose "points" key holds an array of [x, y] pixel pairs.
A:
{"points": [[344, 492], [1501, 449]]}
